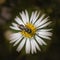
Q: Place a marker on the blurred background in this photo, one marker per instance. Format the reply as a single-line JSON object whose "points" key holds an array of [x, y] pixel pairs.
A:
{"points": [[10, 8]]}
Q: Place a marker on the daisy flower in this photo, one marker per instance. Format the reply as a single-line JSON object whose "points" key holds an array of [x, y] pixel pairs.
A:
{"points": [[31, 31]]}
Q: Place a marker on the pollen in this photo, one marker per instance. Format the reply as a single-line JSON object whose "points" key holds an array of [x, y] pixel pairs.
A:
{"points": [[32, 28]]}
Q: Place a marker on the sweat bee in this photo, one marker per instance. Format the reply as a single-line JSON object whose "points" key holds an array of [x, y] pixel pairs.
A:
{"points": [[22, 27]]}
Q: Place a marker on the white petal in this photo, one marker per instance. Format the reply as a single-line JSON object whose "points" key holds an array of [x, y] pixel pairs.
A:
{"points": [[44, 21], [14, 24], [45, 30], [37, 23], [46, 24], [34, 17], [14, 34], [14, 37], [18, 20], [40, 41], [18, 41], [13, 40], [43, 36], [41, 17], [21, 45], [45, 33], [35, 20], [39, 20], [33, 49], [27, 16], [36, 45], [15, 28], [23, 16], [31, 16], [28, 46]]}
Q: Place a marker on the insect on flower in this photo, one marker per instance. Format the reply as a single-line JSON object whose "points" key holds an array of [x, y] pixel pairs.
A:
{"points": [[22, 27], [32, 31]]}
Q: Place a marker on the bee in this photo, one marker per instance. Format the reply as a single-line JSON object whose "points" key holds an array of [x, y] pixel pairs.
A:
{"points": [[22, 27]]}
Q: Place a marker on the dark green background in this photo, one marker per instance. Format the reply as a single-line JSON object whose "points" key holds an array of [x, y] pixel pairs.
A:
{"points": [[51, 8]]}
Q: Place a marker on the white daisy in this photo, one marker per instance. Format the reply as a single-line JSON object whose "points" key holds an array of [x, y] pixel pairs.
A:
{"points": [[31, 31]]}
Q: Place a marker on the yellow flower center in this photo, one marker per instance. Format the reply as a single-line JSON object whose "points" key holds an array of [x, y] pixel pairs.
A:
{"points": [[30, 27]]}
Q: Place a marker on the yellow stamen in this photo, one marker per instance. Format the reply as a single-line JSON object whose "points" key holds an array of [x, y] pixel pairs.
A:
{"points": [[32, 28]]}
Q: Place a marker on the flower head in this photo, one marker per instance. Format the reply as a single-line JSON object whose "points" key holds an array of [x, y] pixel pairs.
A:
{"points": [[31, 31]]}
